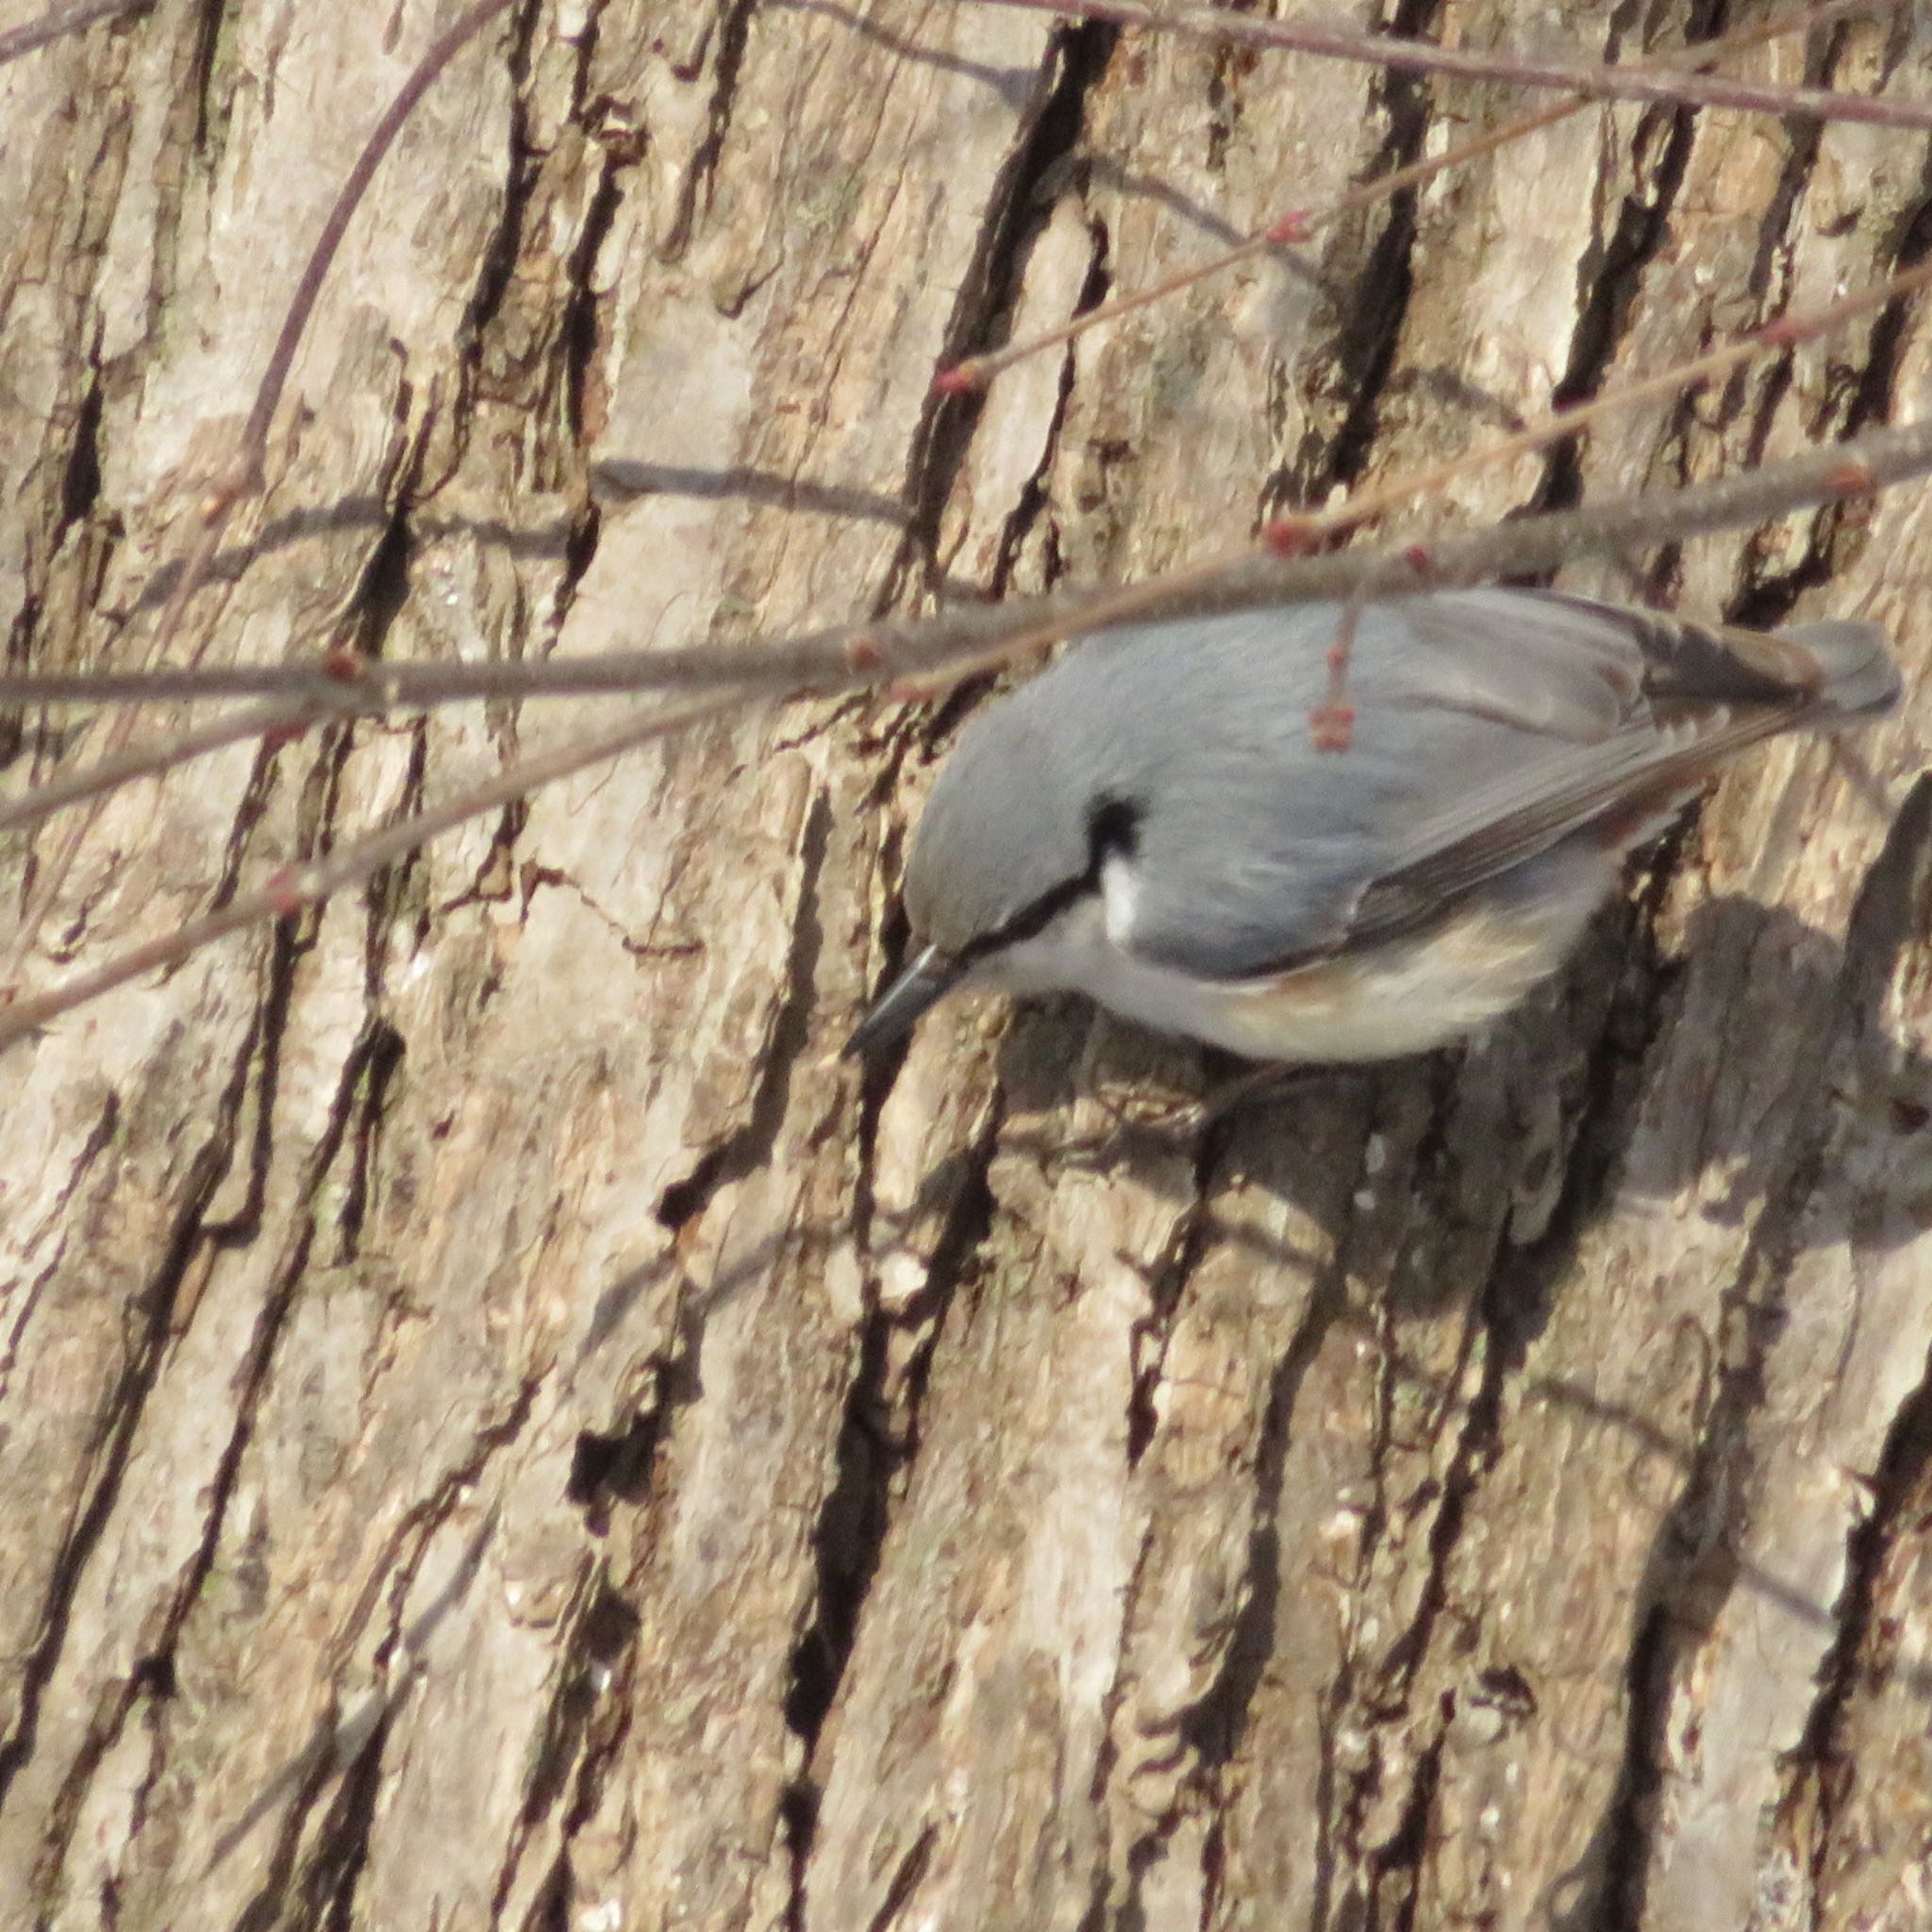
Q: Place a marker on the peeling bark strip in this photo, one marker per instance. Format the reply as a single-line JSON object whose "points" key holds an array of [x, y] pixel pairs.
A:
{"points": [[498, 1429]]}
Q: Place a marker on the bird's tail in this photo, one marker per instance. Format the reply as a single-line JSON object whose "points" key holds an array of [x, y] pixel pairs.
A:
{"points": [[1856, 674]]}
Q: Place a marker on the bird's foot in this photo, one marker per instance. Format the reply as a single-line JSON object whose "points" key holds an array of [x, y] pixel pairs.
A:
{"points": [[1132, 1110]]}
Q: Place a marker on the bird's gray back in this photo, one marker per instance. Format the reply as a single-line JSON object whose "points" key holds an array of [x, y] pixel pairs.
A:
{"points": [[1251, 845], [1488, 725]]}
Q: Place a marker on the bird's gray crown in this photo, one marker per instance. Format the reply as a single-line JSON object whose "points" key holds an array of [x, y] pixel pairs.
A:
{"points": [[1012, 829]]}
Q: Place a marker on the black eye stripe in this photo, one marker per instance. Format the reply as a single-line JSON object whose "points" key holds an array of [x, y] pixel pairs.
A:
{"points": [[1114, 829], [1029, 920]]}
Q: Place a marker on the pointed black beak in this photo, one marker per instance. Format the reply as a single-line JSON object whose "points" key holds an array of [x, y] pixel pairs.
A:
{"points": [[929, 977]]}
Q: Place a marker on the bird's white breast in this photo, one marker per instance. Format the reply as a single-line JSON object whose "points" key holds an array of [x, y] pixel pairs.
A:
{"points": [[1411, 994]]}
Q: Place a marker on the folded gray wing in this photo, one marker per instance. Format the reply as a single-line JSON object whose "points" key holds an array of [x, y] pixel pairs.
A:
{"points": [[1490, 725]]}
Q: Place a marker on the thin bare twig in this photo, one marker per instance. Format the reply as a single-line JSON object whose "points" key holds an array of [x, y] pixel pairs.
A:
{"points": [[849, 657], [147, 761], [447, 46], [1558, 425], [58, 21], [953, 645], [1675, 88], [976, 371], [1524, 546], [244, 477], [290, 888]]}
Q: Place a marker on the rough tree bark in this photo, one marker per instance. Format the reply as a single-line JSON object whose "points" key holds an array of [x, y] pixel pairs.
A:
{"points": [[499, 1427]]}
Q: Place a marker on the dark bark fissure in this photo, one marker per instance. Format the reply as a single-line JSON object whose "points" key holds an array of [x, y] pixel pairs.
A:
{"points": [[80, 480], [1612, 276], [584, 1726], [878, 1441], [615, 1464], [918, 735], [1167, 1284], [183, 156], [213, 22], [379, 598], [349, 1744], [1048, 133], [1369, 333], [847, 1538], [381, 1060], [1035, 495], [750, 1145], [1393, 1868], [906, 1876], [1611, 1897], [580, 333], [1897, 1488], [732, 33], [499, 260], [594, 1745], [252, 1379], [879, 1072], [307, 1777], [121, 1415], [323, 1896]]}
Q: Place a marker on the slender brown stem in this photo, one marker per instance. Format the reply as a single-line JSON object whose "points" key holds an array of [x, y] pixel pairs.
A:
{"points": [[59, 21], [1560, 425], [292, 886], [448, 44], [1628, 83], [146, 760], [950, 647], [976, 371], [921, 659], [246, 475], [956, 643]]}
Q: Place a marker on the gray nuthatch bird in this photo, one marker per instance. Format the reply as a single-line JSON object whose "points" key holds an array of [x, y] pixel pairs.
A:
{"points": [[1150, 821]]}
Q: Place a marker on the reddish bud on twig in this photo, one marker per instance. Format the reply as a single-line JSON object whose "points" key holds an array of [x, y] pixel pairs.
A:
{"points": [[284, 891], [1851, 478], [1332, 726], [1295, 226], [956, 378], [1289, 536], [343, 662], [863, 652]]}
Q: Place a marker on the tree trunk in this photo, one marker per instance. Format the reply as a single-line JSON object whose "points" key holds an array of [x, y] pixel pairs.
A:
{"points": [[499, 1425]]}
